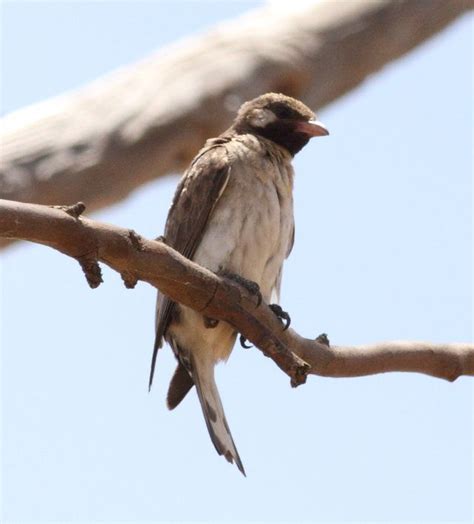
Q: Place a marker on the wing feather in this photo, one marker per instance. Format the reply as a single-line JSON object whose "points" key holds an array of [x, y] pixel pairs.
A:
{"points": [[195, 199]]}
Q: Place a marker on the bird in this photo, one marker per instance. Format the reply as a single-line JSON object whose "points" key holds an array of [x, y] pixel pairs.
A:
{"points": [[232, 213]]}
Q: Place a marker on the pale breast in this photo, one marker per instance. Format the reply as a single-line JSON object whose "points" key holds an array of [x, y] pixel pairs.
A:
{"points": [[251, 227]]}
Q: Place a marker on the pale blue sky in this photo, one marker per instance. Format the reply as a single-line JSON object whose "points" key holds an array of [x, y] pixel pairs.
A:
{"points": [[383, 251]]}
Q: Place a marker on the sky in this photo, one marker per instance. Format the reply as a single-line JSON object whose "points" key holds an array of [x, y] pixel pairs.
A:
{"points": [[383, 251]]}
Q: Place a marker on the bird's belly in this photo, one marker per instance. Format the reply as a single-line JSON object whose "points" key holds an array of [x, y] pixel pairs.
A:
{"points": [[249, 237], [190, 333]]}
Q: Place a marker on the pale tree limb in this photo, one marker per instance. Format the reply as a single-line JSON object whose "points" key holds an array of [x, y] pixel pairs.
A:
{"points": [[136, 258], [144, 121]]}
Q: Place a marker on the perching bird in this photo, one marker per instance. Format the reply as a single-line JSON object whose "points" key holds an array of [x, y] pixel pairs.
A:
{"points": [[232, 213]]}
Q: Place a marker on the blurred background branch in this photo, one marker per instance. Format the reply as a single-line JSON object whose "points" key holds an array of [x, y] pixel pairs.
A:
{"points": [[147, 120]]}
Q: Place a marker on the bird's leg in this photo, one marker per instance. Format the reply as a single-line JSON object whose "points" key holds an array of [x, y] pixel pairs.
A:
{"points": [[252, 287], [282, 315]]}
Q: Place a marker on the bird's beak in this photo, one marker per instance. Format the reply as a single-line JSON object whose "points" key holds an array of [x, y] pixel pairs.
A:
{"points": [[312, 128]]}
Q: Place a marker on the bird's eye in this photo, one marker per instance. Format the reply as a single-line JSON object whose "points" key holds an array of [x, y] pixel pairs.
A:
{"points": [[283, 112]]}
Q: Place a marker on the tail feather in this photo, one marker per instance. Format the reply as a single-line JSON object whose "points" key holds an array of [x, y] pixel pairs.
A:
{"points": [[180, 384], [203, 376]]}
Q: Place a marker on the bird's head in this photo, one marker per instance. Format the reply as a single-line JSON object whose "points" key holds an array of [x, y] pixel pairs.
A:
{"points": [[280, 118]]}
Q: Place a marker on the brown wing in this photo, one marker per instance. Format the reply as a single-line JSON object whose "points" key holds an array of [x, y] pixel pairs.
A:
{"points": [[196, 196], [278, 278]]}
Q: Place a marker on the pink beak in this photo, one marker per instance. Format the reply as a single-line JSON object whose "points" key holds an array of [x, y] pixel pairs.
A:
{"points": [[312, 128]]}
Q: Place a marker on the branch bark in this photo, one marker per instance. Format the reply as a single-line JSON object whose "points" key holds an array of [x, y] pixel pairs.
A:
{"points": [[149, 119], [137, 258]]}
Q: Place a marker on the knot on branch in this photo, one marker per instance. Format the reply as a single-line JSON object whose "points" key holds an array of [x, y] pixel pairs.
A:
{"points": [[92, 270], [293, 365], [129, 279], [75, 210], [210, 323], [299, 373], [135, 239], [323, 339]]}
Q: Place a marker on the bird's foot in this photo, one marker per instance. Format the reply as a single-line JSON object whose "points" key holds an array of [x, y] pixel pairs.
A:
{"points": [[252, 287], [242, 341], [282, 315]]}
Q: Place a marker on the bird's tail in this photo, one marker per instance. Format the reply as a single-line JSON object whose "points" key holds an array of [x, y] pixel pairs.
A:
{"points": [[203, 376]]}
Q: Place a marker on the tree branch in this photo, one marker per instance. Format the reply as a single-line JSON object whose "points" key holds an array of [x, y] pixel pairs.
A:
{"points": [[99, 143], [136, 258]]}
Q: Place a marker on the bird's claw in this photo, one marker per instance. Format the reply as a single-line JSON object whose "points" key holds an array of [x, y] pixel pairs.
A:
{"points": [[242, 341], [282, 315], [252, 287]]}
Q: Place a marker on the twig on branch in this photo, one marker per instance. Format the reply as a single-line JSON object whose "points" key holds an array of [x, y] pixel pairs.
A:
{"points": [[137, 258], [142, 122]]}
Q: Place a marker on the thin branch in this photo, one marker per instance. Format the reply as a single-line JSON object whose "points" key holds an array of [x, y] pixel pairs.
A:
{"points": [[99, 143], [137, 258]]}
